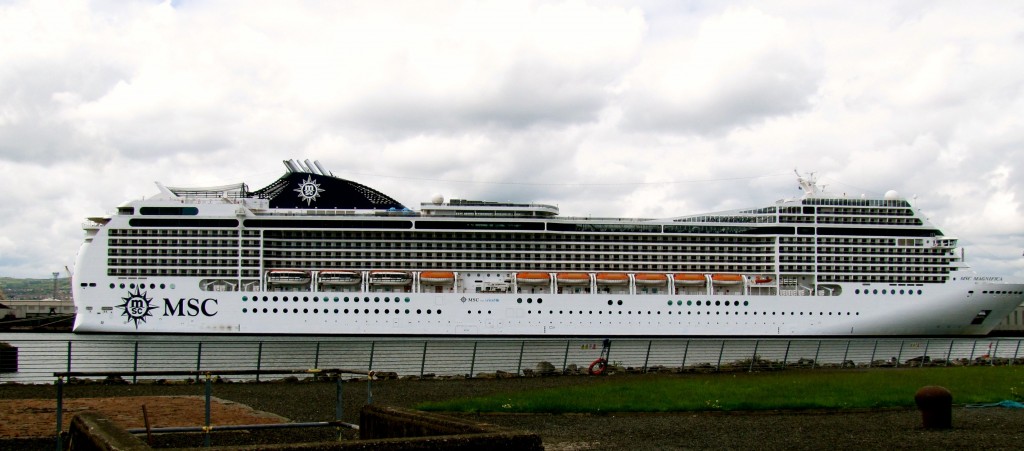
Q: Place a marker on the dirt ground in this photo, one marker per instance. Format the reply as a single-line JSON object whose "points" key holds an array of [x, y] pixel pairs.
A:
{"points": [[973, 428]]}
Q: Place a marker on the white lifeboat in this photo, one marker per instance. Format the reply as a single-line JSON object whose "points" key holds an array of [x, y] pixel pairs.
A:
{"points": [[390, 278], [287, 277], [339, 278]]}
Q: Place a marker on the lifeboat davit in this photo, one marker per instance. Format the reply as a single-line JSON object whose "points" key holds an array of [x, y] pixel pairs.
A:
{"points": [[650, 279], [727, 279], [287, 277], [339, 277], [689, 279], [437, 277], [573, 278], [532, 277], [390, 278], [612, 278]]}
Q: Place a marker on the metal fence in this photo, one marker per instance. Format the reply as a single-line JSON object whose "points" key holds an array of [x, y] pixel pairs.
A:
{"points": [[36, 360]]}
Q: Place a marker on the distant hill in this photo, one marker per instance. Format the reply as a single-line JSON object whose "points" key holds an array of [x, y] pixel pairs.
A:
{"points": [[11, 288]]}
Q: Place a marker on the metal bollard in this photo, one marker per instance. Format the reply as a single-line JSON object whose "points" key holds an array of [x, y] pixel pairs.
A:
{"points": [[936, 406]]}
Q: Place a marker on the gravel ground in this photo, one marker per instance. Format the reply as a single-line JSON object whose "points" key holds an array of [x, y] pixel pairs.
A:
{"points": [[973, 428]]}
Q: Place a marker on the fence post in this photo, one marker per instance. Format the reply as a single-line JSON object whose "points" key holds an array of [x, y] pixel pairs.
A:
{"points": [[1015, 353], [686, 350], [753, 357], [206, 427], [720, 352], [259, 361], [846, 355], [373, 347], [565, 358], [926, 343], [316, 357], [199, 358], [69, 356], [60, 411], [648, 358], [423, 360], [785, 357], [472, 361], [949, 353], [899, 355], [519, 368], [873, 351], [339, 406], [135, 363]]}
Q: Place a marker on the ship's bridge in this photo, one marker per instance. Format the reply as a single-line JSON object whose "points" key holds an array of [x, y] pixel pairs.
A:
{"points": [[462, 207]]}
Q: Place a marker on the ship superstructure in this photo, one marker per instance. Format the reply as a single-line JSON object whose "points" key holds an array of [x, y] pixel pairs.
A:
{"points": [[313, 253]]}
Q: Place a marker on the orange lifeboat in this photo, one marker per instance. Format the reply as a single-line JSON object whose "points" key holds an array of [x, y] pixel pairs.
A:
{"points": [[763, 279], [612, 278], [689, 279], [573, 278], [437, 277], [532, 277], [650, 279], [727, 279]]}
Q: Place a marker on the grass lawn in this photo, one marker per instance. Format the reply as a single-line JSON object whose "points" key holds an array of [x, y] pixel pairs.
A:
{"points": [[816, 389]]}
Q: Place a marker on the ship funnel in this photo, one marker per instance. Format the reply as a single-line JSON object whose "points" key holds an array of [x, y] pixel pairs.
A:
{"points": [[321, 168], [291, 166], [312, 168]]}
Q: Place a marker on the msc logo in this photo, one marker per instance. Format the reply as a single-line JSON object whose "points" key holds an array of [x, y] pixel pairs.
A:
{"points": [[138, 306]]}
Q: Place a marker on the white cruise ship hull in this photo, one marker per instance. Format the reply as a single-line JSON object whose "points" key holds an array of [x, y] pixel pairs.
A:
{"points": [[945, 310]]}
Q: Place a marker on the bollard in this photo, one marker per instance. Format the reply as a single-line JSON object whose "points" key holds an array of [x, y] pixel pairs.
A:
{"points": [[936, 406]]}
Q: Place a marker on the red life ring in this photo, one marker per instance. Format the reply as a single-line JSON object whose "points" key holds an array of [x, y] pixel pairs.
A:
{"points": [[597, 367]]}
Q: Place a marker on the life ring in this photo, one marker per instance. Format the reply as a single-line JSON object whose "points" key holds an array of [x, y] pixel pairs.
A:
{"points": [[597, 367]]}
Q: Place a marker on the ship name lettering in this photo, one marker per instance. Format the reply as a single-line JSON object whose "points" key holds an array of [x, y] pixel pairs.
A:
{"points": [[190, 307]]}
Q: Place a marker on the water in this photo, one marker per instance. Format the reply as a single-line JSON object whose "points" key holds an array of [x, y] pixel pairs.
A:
{"points": [[42, 354]]}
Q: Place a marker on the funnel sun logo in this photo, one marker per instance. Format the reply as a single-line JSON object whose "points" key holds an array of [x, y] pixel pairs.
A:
{"points": [[309, 190], [137, 307]]}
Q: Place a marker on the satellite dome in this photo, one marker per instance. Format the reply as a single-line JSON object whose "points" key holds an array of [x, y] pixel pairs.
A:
{"points": [[891, 195], [437, 199]]}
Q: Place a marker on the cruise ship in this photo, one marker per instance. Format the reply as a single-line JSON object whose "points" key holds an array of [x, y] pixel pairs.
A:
{"points": [[316, 254]]}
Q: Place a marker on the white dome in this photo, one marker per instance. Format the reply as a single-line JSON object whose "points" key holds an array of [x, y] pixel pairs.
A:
{"points": [[891, 195], [437, 199]]}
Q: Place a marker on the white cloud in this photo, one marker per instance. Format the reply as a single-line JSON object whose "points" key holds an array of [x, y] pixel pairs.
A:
{"points": [[648, 109]]}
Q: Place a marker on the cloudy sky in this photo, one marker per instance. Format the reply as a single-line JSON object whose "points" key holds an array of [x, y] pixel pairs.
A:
{"points": [[605, 108]]}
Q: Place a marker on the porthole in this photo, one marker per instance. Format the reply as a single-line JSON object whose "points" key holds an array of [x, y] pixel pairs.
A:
{"points": [[857, 291], [275, 310], [304, 299], [670, 302], [376, 299], [376, 311], [540, 300], [245, 298], [620, 302], [305, 310], [717, 303], [245, 310], [274, 298], [519, 301], [406, 299], [689, 302], [387, 299], [529, 300], [610, 302], [346, 299]]}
